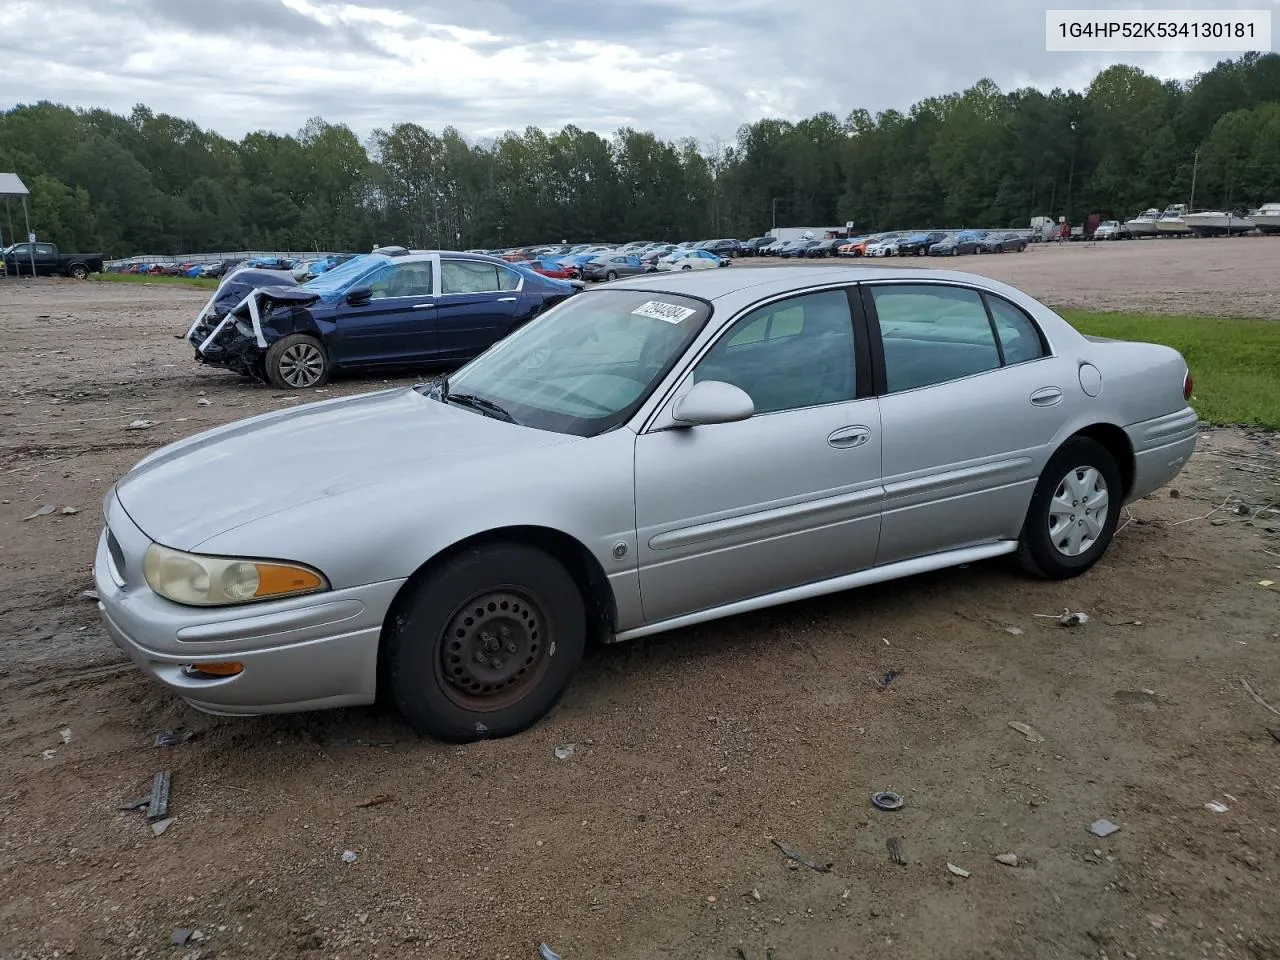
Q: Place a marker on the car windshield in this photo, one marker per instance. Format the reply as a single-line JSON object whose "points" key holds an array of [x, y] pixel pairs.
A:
{"points": [[586, 365], [333, 283]]}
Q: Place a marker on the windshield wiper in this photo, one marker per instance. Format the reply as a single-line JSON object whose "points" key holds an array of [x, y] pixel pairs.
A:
{"points": [[487, 407]]}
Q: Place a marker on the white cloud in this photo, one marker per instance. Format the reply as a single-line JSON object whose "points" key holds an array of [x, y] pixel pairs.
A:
{"points": [[678, 67]]}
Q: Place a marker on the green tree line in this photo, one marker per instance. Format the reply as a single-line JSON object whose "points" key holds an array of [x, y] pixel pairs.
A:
{"points": [[152, 183]]}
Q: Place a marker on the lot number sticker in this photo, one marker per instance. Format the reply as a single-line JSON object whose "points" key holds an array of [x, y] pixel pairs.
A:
{"points": [[670, 312]]}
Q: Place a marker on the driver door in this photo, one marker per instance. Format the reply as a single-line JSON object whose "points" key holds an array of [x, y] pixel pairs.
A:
{"points": [[397, 324], [729, 511]]}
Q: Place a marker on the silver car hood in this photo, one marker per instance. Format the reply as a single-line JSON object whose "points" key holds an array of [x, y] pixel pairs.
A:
{"points": [[197, 488]]}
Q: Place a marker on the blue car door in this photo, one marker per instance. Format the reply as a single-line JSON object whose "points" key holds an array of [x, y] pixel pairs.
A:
{"points": [[396, 324], [480, 302]]}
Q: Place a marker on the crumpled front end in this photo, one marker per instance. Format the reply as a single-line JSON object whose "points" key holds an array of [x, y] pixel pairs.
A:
{"points": [[250, 310]]}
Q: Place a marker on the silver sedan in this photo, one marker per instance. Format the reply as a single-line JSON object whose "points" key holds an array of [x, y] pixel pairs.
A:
{"points": [[648, 455]]}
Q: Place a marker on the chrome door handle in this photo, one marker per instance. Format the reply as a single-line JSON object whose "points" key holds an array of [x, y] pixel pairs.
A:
{"points": [[423, 306], [507, 299], [849, 437], [1046, 397]]}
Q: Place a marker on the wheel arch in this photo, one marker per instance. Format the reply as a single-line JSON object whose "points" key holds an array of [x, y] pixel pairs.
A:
{"points": [[1118, 445], [597, 596]]}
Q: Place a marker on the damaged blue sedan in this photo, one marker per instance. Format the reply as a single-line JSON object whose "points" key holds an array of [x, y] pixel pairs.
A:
{"points": [[392, 308]]}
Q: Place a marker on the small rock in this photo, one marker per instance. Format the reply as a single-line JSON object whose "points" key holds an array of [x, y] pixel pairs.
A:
{"points": [[160, 826], [48, 754], [70, 511], [44, 511], [141, 425], [755, 895], [565, 751], [1103, 828], [349, 856], [1016, 631], [1156, 920], [1216, 806], [203, 402], [1008, 859], [1031, 733], [711, 899], [90, 595], [958, 871], [197, 935], [65, 733], [179, 938]]}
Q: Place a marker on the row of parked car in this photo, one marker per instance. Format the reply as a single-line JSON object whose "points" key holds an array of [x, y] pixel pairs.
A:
{"points": [[934, 243], [604, 261]]}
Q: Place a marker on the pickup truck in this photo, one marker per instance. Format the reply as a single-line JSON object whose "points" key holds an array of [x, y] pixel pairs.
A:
{"points": [[50, 262]]}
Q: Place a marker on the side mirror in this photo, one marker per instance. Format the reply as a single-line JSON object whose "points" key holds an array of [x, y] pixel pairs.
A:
{"points": [[359, 294], [712, 401]]}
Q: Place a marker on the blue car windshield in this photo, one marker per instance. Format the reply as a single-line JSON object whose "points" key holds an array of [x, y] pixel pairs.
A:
{"points": [[332, 284]]}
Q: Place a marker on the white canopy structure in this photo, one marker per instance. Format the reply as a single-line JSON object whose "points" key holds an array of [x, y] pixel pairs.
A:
{"points": [[12, 188]]}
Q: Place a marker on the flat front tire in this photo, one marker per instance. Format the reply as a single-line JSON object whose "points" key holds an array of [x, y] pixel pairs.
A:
{"points": [[1073, 511], [485, 646]]}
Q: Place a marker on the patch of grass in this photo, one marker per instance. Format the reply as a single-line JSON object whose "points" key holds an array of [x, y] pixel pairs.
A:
{"points": [[204, 283], [1235, 363]]}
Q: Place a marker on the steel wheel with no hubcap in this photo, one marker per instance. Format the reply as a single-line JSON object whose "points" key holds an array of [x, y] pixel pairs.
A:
{"points": [[495, 649], [301, 365], [1078, 511]]}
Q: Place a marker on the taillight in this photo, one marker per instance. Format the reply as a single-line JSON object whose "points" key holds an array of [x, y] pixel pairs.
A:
{"points": [[1188, 384]]}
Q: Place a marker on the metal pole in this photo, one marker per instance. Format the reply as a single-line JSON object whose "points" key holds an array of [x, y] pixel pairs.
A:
{"points": [[31, 245], [1195, 163], [775, 215]]}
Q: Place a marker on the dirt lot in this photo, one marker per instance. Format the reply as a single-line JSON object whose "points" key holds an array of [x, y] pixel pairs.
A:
{"points": [[692, 750]]}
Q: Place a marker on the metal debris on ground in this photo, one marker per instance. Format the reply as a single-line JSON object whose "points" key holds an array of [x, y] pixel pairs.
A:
{"points": [[1066, 618], [1031, 733], [799, 857], [141, 424], [44, 511], [179, 938], [896, 853], [1257, 696], [565, 751], [158, 805], [90, 595], [1103, 828], [1216, 806], [349, 856], [546, 953], [48, 754], [958, 871], [174, 738], [887, 800], [1008, 859], [377, 801]]}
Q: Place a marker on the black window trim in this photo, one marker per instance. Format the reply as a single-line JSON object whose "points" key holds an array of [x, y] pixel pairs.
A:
{"points": [[876, 341]]}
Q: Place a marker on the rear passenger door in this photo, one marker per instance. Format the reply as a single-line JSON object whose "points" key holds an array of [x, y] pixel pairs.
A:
{"points": [[479, 303], [970, 403]]}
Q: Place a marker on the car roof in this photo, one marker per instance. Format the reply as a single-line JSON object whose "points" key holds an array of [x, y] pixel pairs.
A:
{"points": [[748, 284]]}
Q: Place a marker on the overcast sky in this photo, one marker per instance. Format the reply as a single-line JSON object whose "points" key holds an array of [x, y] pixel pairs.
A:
{"points": [[677, 67]]}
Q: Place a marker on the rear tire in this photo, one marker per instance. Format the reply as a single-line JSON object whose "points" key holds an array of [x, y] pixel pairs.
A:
{"points": [[611, 275], [1073, 511], [297, 362], [485, 646], [78, 271]]}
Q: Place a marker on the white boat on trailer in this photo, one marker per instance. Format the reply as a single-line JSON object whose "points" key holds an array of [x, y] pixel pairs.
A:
{"points": [[1170, 223], [1217, 223], [1267, 218], [1143, 225]]}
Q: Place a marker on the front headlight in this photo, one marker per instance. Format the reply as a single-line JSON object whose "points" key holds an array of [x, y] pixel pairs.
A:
{"points": [[199, 581]]}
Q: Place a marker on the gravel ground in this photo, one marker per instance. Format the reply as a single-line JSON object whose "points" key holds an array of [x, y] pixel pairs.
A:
{"points": [[693, 750]]}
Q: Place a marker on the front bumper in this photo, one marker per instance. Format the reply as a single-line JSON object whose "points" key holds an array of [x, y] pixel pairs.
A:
{"points": [[304, 653]]}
